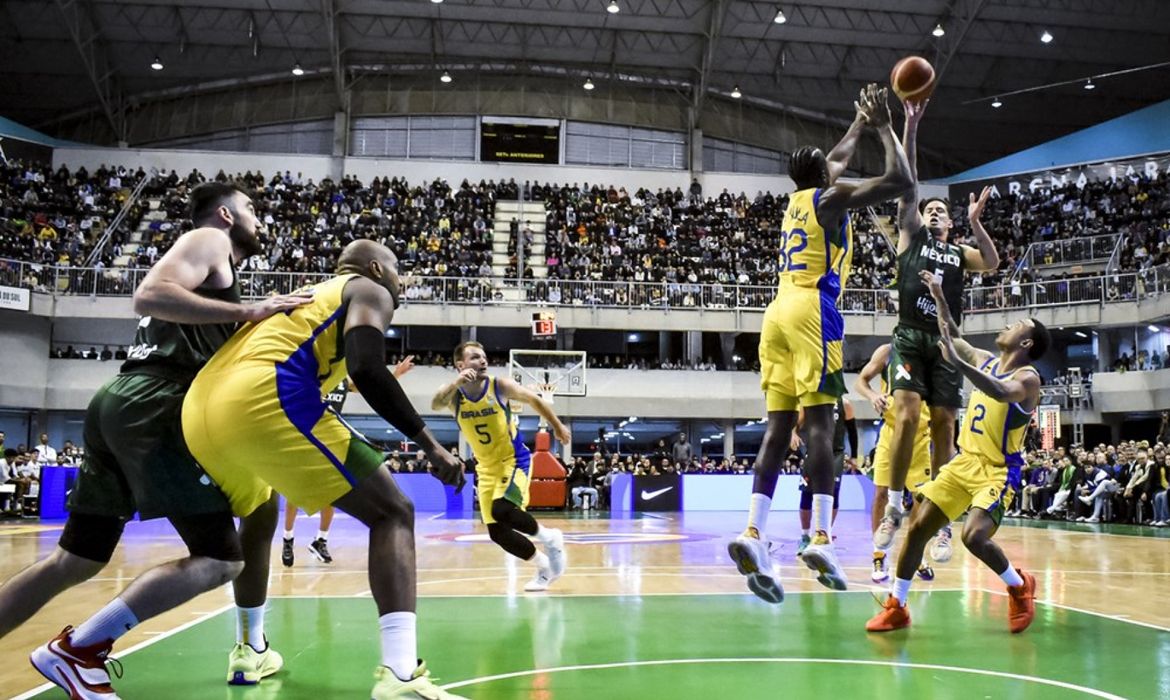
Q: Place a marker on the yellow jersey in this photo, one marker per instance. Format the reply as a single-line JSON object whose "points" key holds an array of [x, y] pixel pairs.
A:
{"points": [[889, 417], [487, 422], [306, 345], [994, 430], [810, 256]]}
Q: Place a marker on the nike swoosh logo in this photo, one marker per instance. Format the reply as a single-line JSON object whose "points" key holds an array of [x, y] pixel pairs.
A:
{"points": [[648, 495]]}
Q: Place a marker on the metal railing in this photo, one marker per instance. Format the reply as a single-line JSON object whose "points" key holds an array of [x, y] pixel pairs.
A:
{"points": [[1090, 250], [1099, 289]]}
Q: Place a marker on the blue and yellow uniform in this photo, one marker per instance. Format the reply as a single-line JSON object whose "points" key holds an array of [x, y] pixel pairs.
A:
{"points": [[800, 341], [503, 460], [919, 472], [987, 469], [255, 417]]}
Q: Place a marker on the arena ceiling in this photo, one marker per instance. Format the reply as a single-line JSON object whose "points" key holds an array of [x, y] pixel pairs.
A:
{"points": [[61, 59]]}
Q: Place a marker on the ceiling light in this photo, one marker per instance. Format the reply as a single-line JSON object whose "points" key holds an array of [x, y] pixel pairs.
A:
{"points": [[1154, 329], [613, 8], [938, 30], [588, 84], [1089, 85], [1081, 335], [1046, 37], [157, 63], [997, 103], [437, 2], [445, 77], [736, 93], [779, 18], [297, 70]]}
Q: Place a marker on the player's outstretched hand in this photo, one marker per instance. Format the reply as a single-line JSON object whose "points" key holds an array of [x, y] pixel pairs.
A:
{"points": [[275, 305], [975, 206], [914, 110], [881, 403], [447, 468], [878, 109], [403, 367], [933, 282], [563, 434]]}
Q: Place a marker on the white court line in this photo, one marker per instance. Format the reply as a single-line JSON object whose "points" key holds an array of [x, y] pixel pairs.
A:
{"points": [[790, 660], [1107, 616], [662, 594], [159, 636]]}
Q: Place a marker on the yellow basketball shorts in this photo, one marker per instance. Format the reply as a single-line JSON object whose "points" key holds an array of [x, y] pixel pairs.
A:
{"points": [[919, 472], [969, 481], [801, 350], [508, 481], [253, 432]]}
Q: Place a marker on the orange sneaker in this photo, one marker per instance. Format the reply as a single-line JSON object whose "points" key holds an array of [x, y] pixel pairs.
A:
{"points": [[894, 616], [79, 671], [1022, 603]]}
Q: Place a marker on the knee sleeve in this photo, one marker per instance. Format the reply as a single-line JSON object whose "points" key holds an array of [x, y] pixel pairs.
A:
{"points": [[92, 537], [505, 511], [211, 535], [511, 541]]}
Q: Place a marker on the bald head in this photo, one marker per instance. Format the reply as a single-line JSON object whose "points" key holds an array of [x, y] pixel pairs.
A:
{"points": [[357, 256]]}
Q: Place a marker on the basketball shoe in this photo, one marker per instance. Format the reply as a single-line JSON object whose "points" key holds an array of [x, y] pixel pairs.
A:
{"points": [[820, 557], [883, 536], [246, 666], [942, 551], [79, 671], [555, 549], [542, 580], [881, 570], [286, 552], [1022, 603], [805, 540], [749, 551], [419, 687], [925, 573], [320, 549], [893, 616]]}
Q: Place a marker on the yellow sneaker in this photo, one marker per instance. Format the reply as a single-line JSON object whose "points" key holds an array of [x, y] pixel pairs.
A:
{"points": [[820, 557], [246, 666], [419, 687]]}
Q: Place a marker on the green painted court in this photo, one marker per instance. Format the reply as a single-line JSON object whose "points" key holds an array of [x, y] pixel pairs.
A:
{"points": [[677, 646]]}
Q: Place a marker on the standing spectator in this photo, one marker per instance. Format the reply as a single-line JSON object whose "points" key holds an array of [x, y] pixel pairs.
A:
{"points": [[1164, 428], [45, 453], [580, 483], [681, 451]]}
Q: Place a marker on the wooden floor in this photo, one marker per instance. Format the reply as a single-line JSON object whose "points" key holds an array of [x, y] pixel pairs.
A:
{"points": [[1118, 573]]}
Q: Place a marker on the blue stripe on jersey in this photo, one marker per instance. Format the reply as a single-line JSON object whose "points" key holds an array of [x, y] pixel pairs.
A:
{"points": [[523, 456], [832, 328], [299, 393]]}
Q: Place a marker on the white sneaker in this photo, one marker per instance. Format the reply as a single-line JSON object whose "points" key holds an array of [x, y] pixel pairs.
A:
{"points": [[1081, 519], [1092, 520], [942, 551], [883, 536], [881, 571], [820, 557], [555, 549], [1157, 523], [752, 559], [541, 581]]}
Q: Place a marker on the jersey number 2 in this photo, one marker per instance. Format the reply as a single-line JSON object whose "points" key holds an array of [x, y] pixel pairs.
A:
{"points": [[980, 412]]}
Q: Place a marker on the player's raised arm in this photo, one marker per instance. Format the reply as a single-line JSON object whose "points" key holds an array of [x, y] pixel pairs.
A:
{"points": [[947, 326], [515, 392], [909, 218], [840, 197], [444, 398], [872, 370], [984, 256], [370, 309], [838, 158]]}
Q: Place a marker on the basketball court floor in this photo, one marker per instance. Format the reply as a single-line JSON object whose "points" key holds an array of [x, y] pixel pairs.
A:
{"points": [[650, 607]]}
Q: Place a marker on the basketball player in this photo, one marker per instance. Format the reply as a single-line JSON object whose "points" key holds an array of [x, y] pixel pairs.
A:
{"points": [[984, 474], [319, 547], [920, 375], [256, 419], [844, 424], [136, 461], [879, 365], [800, 342], [480, 405]]}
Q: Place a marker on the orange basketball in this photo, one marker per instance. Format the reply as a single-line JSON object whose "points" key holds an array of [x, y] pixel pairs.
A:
{"points": [[912, 79]]}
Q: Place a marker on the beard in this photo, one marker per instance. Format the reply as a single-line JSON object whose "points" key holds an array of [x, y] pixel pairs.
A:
{"points": [[245, 240]]}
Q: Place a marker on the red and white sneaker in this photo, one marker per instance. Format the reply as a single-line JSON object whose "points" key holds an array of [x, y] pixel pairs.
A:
{"points": [[79, 671]]}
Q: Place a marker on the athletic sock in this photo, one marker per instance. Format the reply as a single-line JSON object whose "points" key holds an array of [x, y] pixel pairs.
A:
{"points": [[250, 627], [322, 535], [288, 534], [896, 499], [541, 560], [106, 625], [902, 589], [399, 643], [807, 532], [544, 535], [822, 513], [758, 512], [1011, 577]]}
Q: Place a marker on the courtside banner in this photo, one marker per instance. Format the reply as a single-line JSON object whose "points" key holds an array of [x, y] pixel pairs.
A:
{"points": [[660, 493], [15, 299]]}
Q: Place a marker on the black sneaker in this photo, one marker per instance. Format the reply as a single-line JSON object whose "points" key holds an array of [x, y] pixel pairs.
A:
{"points": [[286, 552], [321, 551]]}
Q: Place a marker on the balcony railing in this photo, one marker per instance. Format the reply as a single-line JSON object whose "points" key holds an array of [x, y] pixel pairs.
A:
{"points": [[121, 282]]}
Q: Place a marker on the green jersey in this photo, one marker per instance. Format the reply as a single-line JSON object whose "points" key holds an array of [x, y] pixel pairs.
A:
{"points": [[916, 307]]}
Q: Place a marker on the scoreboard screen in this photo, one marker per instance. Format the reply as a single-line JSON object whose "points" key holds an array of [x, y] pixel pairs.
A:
{"points": [[544, 324], [520, 143]]}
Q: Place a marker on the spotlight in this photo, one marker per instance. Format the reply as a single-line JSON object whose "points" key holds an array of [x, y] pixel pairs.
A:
{"points": [[736, 93], [297, 70], [588, 84], [157, 63], [1046, 37], [1089, 85], [997, 103], [613, 8], [779, 18], [938, 30], [445, 77]]}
